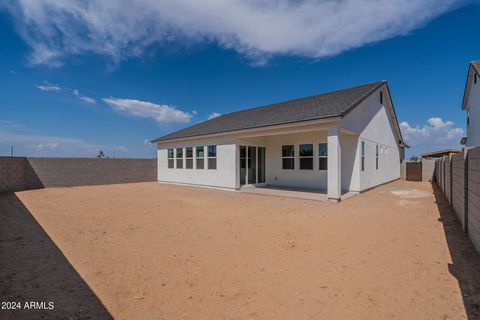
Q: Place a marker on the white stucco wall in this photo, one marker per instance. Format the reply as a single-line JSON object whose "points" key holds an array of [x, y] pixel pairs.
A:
{"points": [[473, 130], [371, 120], [350, 163], [224, 176], [309, 179]]}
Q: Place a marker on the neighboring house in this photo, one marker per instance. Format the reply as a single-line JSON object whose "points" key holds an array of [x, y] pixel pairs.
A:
{"points": [[440, 153], [471, 103], [342, 141]]}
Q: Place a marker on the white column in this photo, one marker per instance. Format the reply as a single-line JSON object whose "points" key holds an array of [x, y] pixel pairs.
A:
{"points": [[334, 183]]}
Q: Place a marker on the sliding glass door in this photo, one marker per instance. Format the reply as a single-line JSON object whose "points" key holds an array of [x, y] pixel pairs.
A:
{"points": [[252, 165], [261, 165], [243, 165]]}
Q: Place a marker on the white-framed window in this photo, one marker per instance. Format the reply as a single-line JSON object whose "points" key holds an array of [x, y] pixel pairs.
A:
{"points": [[376, 157], [189, 158], [306, 156], [363, 155], [322, 156], [288, 157], [179, 154], [381, 97], [171, 159], [212, 157], [200, 155]]}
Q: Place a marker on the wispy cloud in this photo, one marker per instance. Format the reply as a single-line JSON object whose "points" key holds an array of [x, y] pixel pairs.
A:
{"points": [[38, 144], [44, 146], [214, 115], [257, 29], [85, 99], [435, 134], [145, 109], [48, 87]]}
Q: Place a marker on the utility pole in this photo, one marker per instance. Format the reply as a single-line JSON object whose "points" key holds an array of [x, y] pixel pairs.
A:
{"points": [[11, 150]]}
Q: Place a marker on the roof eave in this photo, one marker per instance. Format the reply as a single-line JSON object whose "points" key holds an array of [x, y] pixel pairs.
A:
{"points": [[329, 119]]}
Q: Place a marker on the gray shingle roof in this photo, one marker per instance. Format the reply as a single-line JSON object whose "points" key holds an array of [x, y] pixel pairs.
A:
{"points": [[327, 105]]}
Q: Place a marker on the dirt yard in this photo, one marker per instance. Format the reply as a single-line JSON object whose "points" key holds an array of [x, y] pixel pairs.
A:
{"points": [[153, 251]]}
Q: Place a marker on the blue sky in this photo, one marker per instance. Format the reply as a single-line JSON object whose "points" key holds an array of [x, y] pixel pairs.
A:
{"points": [[76, 78]]}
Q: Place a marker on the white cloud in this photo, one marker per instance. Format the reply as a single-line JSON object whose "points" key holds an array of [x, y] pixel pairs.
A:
{"points": [[88, 100], [48, 87], [144, 109], [435, 134], [26, 142], [258, 29], [84, 98], [214, 115], [120, 148]]}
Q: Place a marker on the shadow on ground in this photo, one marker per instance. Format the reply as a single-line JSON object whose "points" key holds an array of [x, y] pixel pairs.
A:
{"points": [[32, 268], [466, 260]]}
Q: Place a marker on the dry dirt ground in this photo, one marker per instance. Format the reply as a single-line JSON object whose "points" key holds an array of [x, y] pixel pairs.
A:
{"points": [[153, 251]]}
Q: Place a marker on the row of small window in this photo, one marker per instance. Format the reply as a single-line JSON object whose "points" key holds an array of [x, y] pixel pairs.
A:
{"points": [[305, 155], [176, 156]]}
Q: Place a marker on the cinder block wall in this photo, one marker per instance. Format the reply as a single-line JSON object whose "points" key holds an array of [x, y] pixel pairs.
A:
{"points": [[474, 196], [458, 186], [20, 173], [447, 180], [428, 166], [464, 194]]}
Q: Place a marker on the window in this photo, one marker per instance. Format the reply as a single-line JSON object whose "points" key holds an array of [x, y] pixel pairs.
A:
{"points": [[200, 157], [376, 157], [475, 78], [212, 157], [171, 161], [306, 157], [468, 118], [381, 97], [179, 158], [363, 155], [189, 158], [288, 157], [322, 156]]}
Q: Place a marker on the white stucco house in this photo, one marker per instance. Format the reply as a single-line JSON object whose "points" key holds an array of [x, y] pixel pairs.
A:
{"points": [[342, 141], [471, 104]]}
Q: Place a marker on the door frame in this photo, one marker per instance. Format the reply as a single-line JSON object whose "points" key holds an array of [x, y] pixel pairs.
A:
{"points": [[247, 184]]}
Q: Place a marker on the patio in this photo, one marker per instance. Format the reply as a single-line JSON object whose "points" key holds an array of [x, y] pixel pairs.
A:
{"points": [[298, 193]]}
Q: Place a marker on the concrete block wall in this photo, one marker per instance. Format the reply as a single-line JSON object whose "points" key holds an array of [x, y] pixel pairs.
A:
{"points": [[428, 166], [474, 196], [458, 186], [447, 178], [464, 191], [21, 173]]}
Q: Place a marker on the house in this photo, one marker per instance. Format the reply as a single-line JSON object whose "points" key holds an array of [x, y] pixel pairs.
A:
{"points": [[440, 153], [471, 104], [341, 141]]}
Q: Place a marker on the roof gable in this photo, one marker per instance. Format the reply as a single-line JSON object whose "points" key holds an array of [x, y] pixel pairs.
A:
{"points": [[473, 68]]}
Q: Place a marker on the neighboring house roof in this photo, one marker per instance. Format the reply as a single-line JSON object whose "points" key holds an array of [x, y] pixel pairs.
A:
{"points": [[440, 153], [323, 106], [473, 68]]}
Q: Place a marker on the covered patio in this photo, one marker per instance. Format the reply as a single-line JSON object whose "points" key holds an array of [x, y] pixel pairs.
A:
{"points": [[313, 160]]}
